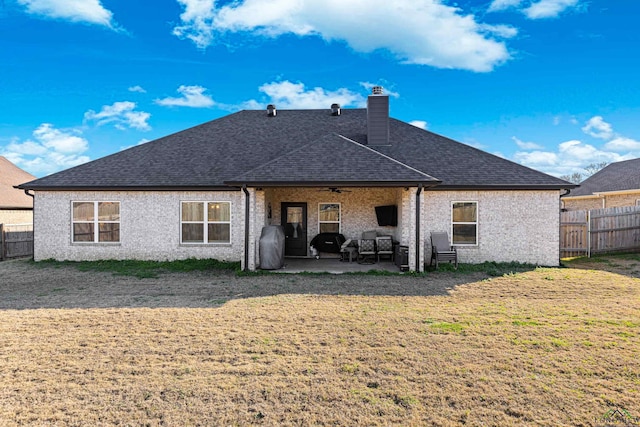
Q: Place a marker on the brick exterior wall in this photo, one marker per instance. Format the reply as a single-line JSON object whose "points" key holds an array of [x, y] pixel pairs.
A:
{"points": [[15, 216], [518, 226], [582, 204], [149, 227], [513, 225], [610, 201], [619, 200]]}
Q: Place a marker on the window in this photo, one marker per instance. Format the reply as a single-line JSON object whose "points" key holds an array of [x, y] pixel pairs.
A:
{"points": [[464, 223], [329, 218], [96, 222], [205, 222]]}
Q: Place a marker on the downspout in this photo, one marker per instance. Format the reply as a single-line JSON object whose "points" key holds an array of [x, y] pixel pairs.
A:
{"points": [[33, 227], [418, 226], [246, 227]]}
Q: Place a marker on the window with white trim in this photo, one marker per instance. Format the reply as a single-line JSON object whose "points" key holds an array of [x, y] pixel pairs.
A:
{"points": [[205, 222], [464, 223], [95, 222], [329, 218], [637, 202]]}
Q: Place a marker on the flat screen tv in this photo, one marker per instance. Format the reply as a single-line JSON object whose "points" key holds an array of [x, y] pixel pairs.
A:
{"points": [[387, 215]]}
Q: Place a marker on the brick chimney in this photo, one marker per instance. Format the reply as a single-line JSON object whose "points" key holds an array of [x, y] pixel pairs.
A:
{"points": [[377, 117]]}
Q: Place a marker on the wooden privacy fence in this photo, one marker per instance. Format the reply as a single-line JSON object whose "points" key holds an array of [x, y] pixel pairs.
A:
{"points": [[599, 231], [16, 240]]}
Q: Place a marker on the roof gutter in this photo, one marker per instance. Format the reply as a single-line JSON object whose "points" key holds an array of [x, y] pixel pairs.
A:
{"points": [[489, 187], [425, 184], [128, 188], [246, 228]]}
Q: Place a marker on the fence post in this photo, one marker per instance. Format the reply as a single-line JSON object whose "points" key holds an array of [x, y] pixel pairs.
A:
{"points": [[1, 242], [588, 234]]}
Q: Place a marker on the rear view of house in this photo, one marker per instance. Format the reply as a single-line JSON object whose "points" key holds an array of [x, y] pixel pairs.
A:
{"points": [[208, 191]]}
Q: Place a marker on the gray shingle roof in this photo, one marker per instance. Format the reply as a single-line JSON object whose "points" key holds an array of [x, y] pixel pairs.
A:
{"points": [[617, 176], [208, 155], [333, 160]]}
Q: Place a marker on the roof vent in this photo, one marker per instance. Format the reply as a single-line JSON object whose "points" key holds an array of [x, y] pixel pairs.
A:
{"points": [[335, 109], [377, 90], [271, 110]]}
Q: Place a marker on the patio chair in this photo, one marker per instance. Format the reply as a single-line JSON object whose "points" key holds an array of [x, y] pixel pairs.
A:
{"points": [[384, 247], [441, 250], [366, 251]]}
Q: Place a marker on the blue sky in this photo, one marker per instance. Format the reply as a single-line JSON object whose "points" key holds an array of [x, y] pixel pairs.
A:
{"points": [[551, 84]]}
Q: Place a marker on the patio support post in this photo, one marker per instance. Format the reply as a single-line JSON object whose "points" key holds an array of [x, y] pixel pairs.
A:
{"points": [[246, 228], [419, 267]]}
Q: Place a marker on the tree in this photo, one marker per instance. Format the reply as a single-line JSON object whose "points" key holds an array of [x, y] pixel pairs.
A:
{"points": [[575, 177], [578, 177], [595, 167]]}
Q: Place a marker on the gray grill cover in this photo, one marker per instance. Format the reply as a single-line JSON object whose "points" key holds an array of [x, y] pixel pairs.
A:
{"points": [[272, 247]]}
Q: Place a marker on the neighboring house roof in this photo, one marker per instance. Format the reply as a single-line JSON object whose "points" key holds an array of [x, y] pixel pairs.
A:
{"points": [[251, 147], [619, 176], [10, 175]]}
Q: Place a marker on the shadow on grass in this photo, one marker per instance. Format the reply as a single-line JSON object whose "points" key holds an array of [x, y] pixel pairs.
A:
{"points": [[145, 269], [209, 283], [626, 264]]}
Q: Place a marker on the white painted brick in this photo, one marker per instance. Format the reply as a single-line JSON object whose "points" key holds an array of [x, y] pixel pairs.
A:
{"points": [[149, 227], [518, 226], [513, 225]]}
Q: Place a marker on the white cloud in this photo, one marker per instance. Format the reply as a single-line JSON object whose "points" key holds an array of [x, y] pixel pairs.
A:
{"points": [[50, 150], [571, 156], [121, 114], [59, 141], [419, 124], [598, 128], [137, 88], [526, 145], [548, 8], [294, 95], [192, 96], [622, 143], [536, 159], [86, 11], [574, 155], [497, 5], [424, 32], [534, 10]]}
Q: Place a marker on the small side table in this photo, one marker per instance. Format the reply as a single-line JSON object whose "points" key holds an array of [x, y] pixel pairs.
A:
{"points": [[349, 253]]}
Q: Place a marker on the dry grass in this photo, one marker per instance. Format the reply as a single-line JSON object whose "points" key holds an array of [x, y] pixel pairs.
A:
{"points": [[546, 347]]}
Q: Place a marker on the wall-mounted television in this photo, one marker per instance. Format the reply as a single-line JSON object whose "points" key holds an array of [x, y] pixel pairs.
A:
{"points": [[387, 215]]}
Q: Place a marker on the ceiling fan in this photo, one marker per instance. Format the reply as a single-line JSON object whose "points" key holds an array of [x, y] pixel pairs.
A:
{"points": [[335, 190]]}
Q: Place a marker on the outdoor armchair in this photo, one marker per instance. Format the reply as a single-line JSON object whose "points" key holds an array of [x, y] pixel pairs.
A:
{"points": [[441, 250]]}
